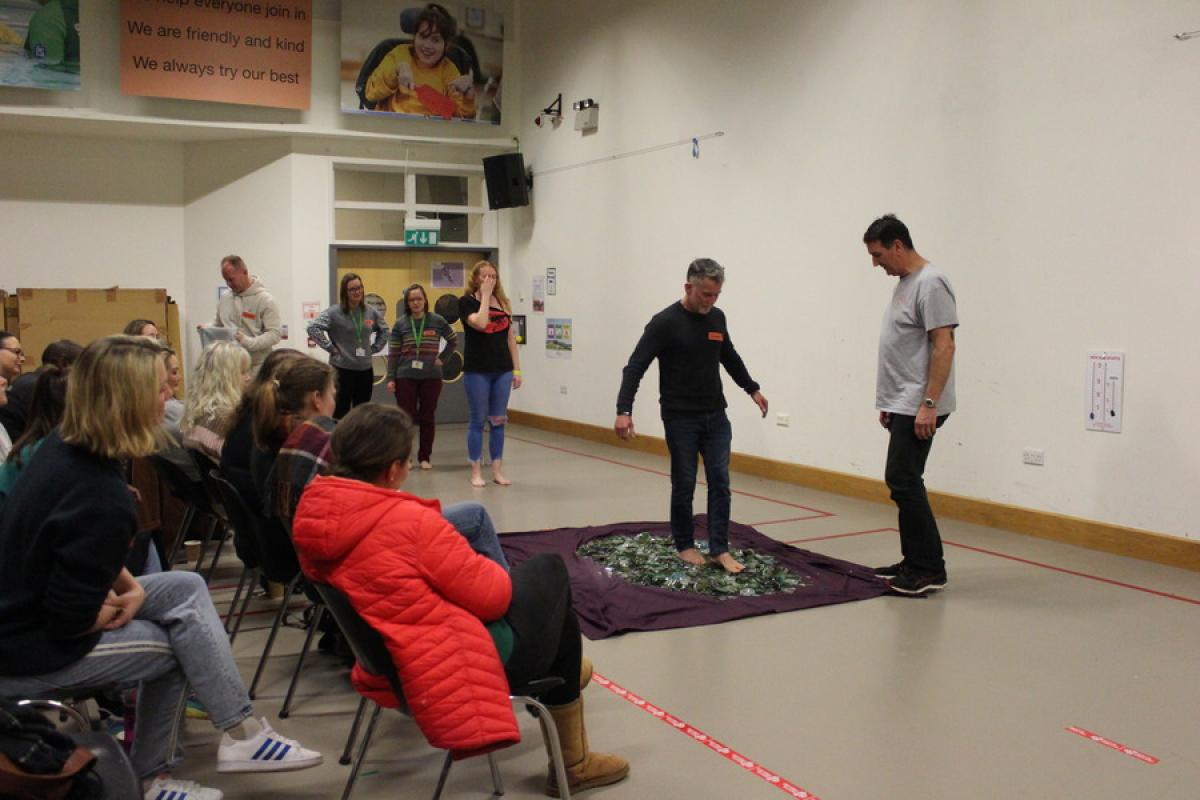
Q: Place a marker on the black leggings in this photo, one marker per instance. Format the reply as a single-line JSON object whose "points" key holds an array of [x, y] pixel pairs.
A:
{"points": [[545, 631], [354, 388]]}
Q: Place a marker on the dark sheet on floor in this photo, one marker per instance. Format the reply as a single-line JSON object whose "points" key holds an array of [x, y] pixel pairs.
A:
{"points": [[607, 604]]}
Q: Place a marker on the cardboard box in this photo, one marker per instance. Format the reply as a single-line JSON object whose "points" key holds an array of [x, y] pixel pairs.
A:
{"points": [[84, 315]]}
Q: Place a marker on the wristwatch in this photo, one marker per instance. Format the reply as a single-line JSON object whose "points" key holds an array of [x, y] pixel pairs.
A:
{"points": [[928, 403]]}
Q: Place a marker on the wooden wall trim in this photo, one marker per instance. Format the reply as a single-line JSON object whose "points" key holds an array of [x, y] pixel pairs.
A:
{"points": [[1173, 551]]}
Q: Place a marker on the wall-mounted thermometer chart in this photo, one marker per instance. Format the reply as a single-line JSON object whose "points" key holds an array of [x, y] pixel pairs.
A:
{"points": [[1106, 382]]}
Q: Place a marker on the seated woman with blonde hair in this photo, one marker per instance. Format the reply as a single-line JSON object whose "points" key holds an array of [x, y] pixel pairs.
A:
{"points": [[72, 616], [220, 377]]}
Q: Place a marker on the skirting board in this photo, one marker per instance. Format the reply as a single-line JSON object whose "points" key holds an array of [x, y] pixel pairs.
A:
{"points": [[1173, 551]]}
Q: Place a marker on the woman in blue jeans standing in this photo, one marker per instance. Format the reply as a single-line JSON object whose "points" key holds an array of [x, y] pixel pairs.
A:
{"points": [[491, 367]]}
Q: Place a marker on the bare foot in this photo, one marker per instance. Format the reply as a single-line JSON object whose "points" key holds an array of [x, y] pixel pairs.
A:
{"points": [[477, 476], [426, 465], [500, 479], [692, 556], [731, 565]]}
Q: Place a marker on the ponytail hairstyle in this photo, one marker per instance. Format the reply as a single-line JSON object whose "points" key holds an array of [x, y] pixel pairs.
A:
{"points": [[266, 372], [370, 439], [286, 395]]}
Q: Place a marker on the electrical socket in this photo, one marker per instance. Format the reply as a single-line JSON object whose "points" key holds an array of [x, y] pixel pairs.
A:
{"points": [[1034, 457], [783, 420], [562, 389]]}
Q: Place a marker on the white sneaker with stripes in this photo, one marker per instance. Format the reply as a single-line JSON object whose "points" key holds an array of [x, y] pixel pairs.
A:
{"points": [[171, 789], [265, 752]]}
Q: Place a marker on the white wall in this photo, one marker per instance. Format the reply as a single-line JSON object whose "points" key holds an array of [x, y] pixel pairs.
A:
{"points": [[1038, 151], [72, 207]]}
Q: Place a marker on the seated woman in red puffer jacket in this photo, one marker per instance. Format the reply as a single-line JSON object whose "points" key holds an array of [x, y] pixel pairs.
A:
{"points": [[459, 628]]}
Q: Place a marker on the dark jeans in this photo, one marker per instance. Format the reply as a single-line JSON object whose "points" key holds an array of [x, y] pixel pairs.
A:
{"points": [[420, 398], [920, 542], [546, 639], [710, 436], [354, 388]]}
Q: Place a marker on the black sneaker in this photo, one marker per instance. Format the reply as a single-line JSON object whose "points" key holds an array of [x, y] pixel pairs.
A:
{"points": [[889, 571], [917, 583]]}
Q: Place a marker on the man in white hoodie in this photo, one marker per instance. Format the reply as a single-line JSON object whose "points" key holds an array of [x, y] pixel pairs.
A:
{"points": [[250, 309]]}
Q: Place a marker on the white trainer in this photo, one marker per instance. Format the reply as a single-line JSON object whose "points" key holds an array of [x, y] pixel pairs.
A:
{"points": [[265, 752], [172, 789]]}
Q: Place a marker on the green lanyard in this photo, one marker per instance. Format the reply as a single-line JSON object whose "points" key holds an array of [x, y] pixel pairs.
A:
{"points": [[419, 336], [356, 317]]}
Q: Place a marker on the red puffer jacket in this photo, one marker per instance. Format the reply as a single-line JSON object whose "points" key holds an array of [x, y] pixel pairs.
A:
{"points": [[417, 581]]}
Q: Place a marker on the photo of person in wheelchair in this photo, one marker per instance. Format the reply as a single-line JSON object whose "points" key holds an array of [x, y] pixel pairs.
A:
{"points": [[433, 75]]}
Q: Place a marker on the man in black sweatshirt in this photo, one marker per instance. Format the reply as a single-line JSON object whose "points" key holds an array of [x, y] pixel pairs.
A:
{"points": [[691, 342]]}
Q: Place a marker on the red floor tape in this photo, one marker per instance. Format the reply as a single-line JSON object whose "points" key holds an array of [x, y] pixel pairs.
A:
{"points": [[787, 787], [1120, 748]]}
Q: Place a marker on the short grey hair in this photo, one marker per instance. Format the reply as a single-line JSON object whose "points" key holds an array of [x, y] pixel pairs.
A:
{"points": [[703, 268]]}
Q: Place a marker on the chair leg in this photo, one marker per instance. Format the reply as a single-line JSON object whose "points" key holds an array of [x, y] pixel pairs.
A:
{"points": [[312, 628], [358, 715], [212, 567], [180, 535], [251, 580], [262, 662], [441, 784], [497, 781], [237, 595], [362, 751], [550, 734], [204, 540]]}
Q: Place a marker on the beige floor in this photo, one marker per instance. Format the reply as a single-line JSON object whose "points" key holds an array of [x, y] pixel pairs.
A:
{"points": [[966, 694]]}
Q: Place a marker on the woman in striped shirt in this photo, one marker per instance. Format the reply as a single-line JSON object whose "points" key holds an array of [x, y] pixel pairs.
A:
{"points": [[415, 364]]}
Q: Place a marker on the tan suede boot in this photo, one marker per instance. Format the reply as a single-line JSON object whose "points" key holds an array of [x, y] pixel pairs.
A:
{"points": [[585, 672], [585, 769]]}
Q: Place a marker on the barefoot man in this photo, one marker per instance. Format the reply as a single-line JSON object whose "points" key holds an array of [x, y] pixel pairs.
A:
{"points": [[691, 342]]}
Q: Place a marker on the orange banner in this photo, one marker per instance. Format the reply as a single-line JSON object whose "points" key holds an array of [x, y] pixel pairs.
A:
{"points": [[252, 52]]}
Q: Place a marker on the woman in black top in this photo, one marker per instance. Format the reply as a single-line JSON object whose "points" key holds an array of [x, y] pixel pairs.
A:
{"points": [[491, 366]]}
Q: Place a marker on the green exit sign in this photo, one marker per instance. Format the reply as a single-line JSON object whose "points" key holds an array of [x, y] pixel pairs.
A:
{"points": [[421, 238]]}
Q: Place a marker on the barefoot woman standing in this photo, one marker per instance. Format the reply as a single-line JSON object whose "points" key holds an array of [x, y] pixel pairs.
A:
{"points": [[491, 367]]}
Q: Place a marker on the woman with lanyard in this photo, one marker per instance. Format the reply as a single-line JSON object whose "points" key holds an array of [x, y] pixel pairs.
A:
{"points": [[491, 368], [415, 364], [351, 332]]}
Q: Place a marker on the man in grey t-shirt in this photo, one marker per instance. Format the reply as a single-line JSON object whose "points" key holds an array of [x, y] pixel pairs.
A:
{"points": [[914, 392]]}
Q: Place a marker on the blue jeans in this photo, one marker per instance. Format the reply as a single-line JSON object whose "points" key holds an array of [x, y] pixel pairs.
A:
{"points": [[710, 436], [176, 639], [487, 398], [473, 522]]}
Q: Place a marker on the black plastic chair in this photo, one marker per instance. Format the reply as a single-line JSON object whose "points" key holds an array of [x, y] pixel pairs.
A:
{"points": [[190, 491], [314, 622], [373, 656], [246, 541], [112, 764], [276, 560]]}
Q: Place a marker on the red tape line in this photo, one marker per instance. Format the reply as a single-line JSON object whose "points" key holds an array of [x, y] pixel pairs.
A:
{"points": [[703, 738], [1109, 743]]}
